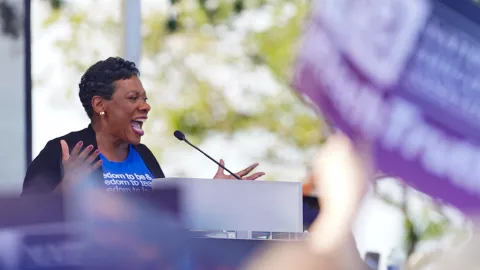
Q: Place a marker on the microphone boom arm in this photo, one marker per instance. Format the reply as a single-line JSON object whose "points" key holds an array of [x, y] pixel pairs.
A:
{"points": [[218, 163]]}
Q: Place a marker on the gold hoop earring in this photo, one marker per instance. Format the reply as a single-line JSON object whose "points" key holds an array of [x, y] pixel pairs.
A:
{"points": [[102, 114]]}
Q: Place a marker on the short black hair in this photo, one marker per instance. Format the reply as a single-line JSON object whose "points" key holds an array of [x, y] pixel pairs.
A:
{"points": [[99, 80]]}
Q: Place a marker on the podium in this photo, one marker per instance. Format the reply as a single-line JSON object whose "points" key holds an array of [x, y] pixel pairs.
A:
{"points": [[242, 206], [37, 232]]}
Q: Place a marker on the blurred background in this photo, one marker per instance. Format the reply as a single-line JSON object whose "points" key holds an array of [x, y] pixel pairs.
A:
{"points": [[220, 71]]}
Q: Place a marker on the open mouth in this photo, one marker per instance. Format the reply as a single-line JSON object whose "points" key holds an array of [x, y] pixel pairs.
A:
{"points": [[137, 124]]}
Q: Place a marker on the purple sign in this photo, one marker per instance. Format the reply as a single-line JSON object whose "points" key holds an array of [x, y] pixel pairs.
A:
{"points": [[403, 74]]}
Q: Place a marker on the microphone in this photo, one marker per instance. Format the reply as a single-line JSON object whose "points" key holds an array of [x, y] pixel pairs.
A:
{"points": [[180, 136]]}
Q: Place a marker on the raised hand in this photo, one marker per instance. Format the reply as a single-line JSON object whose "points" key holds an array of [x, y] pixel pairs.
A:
{"points": [[78, 163], [221, 174], [341, 174]]}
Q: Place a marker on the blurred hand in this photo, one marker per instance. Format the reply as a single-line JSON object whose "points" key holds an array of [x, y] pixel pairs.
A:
{"points": [[341, 175], [77, 164], [221, 174]]}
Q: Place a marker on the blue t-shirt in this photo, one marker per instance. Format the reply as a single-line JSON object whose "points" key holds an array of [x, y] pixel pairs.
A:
{"points": [[129, 175]]}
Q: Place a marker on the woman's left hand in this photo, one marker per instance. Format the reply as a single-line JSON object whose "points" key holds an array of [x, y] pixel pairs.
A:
{"points": [[221, 174]]}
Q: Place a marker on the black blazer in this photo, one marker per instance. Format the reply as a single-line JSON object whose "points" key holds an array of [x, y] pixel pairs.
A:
{"points": [[46, 170]]}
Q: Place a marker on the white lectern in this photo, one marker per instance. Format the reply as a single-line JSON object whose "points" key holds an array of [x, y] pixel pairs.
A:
{"points": [[238, 205]]}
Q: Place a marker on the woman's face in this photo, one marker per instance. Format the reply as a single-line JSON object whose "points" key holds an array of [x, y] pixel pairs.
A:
{"points": [[127, 110]]}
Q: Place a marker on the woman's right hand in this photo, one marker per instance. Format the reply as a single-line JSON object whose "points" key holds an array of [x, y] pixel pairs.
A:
{"points": [[78, 163]]}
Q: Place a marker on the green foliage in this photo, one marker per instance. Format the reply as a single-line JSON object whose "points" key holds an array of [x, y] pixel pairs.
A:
{"points": [[154, 32], [283, 115], [238, 6], [276, 47], [430, 224], [54, 16], [436, 229], [56, 4], [412, 237]]}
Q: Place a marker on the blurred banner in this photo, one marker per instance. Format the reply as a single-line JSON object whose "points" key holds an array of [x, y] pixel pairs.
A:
{"points": [[402, 74], [15, 85], [98, 230], [93, 231]]}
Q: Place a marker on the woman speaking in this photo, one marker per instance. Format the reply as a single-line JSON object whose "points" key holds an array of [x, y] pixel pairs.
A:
{"points": [[108, 151]]}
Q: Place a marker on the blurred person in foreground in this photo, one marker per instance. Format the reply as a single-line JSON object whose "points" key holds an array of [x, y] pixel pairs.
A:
{"points": [[342, 174], [109, 149]]}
